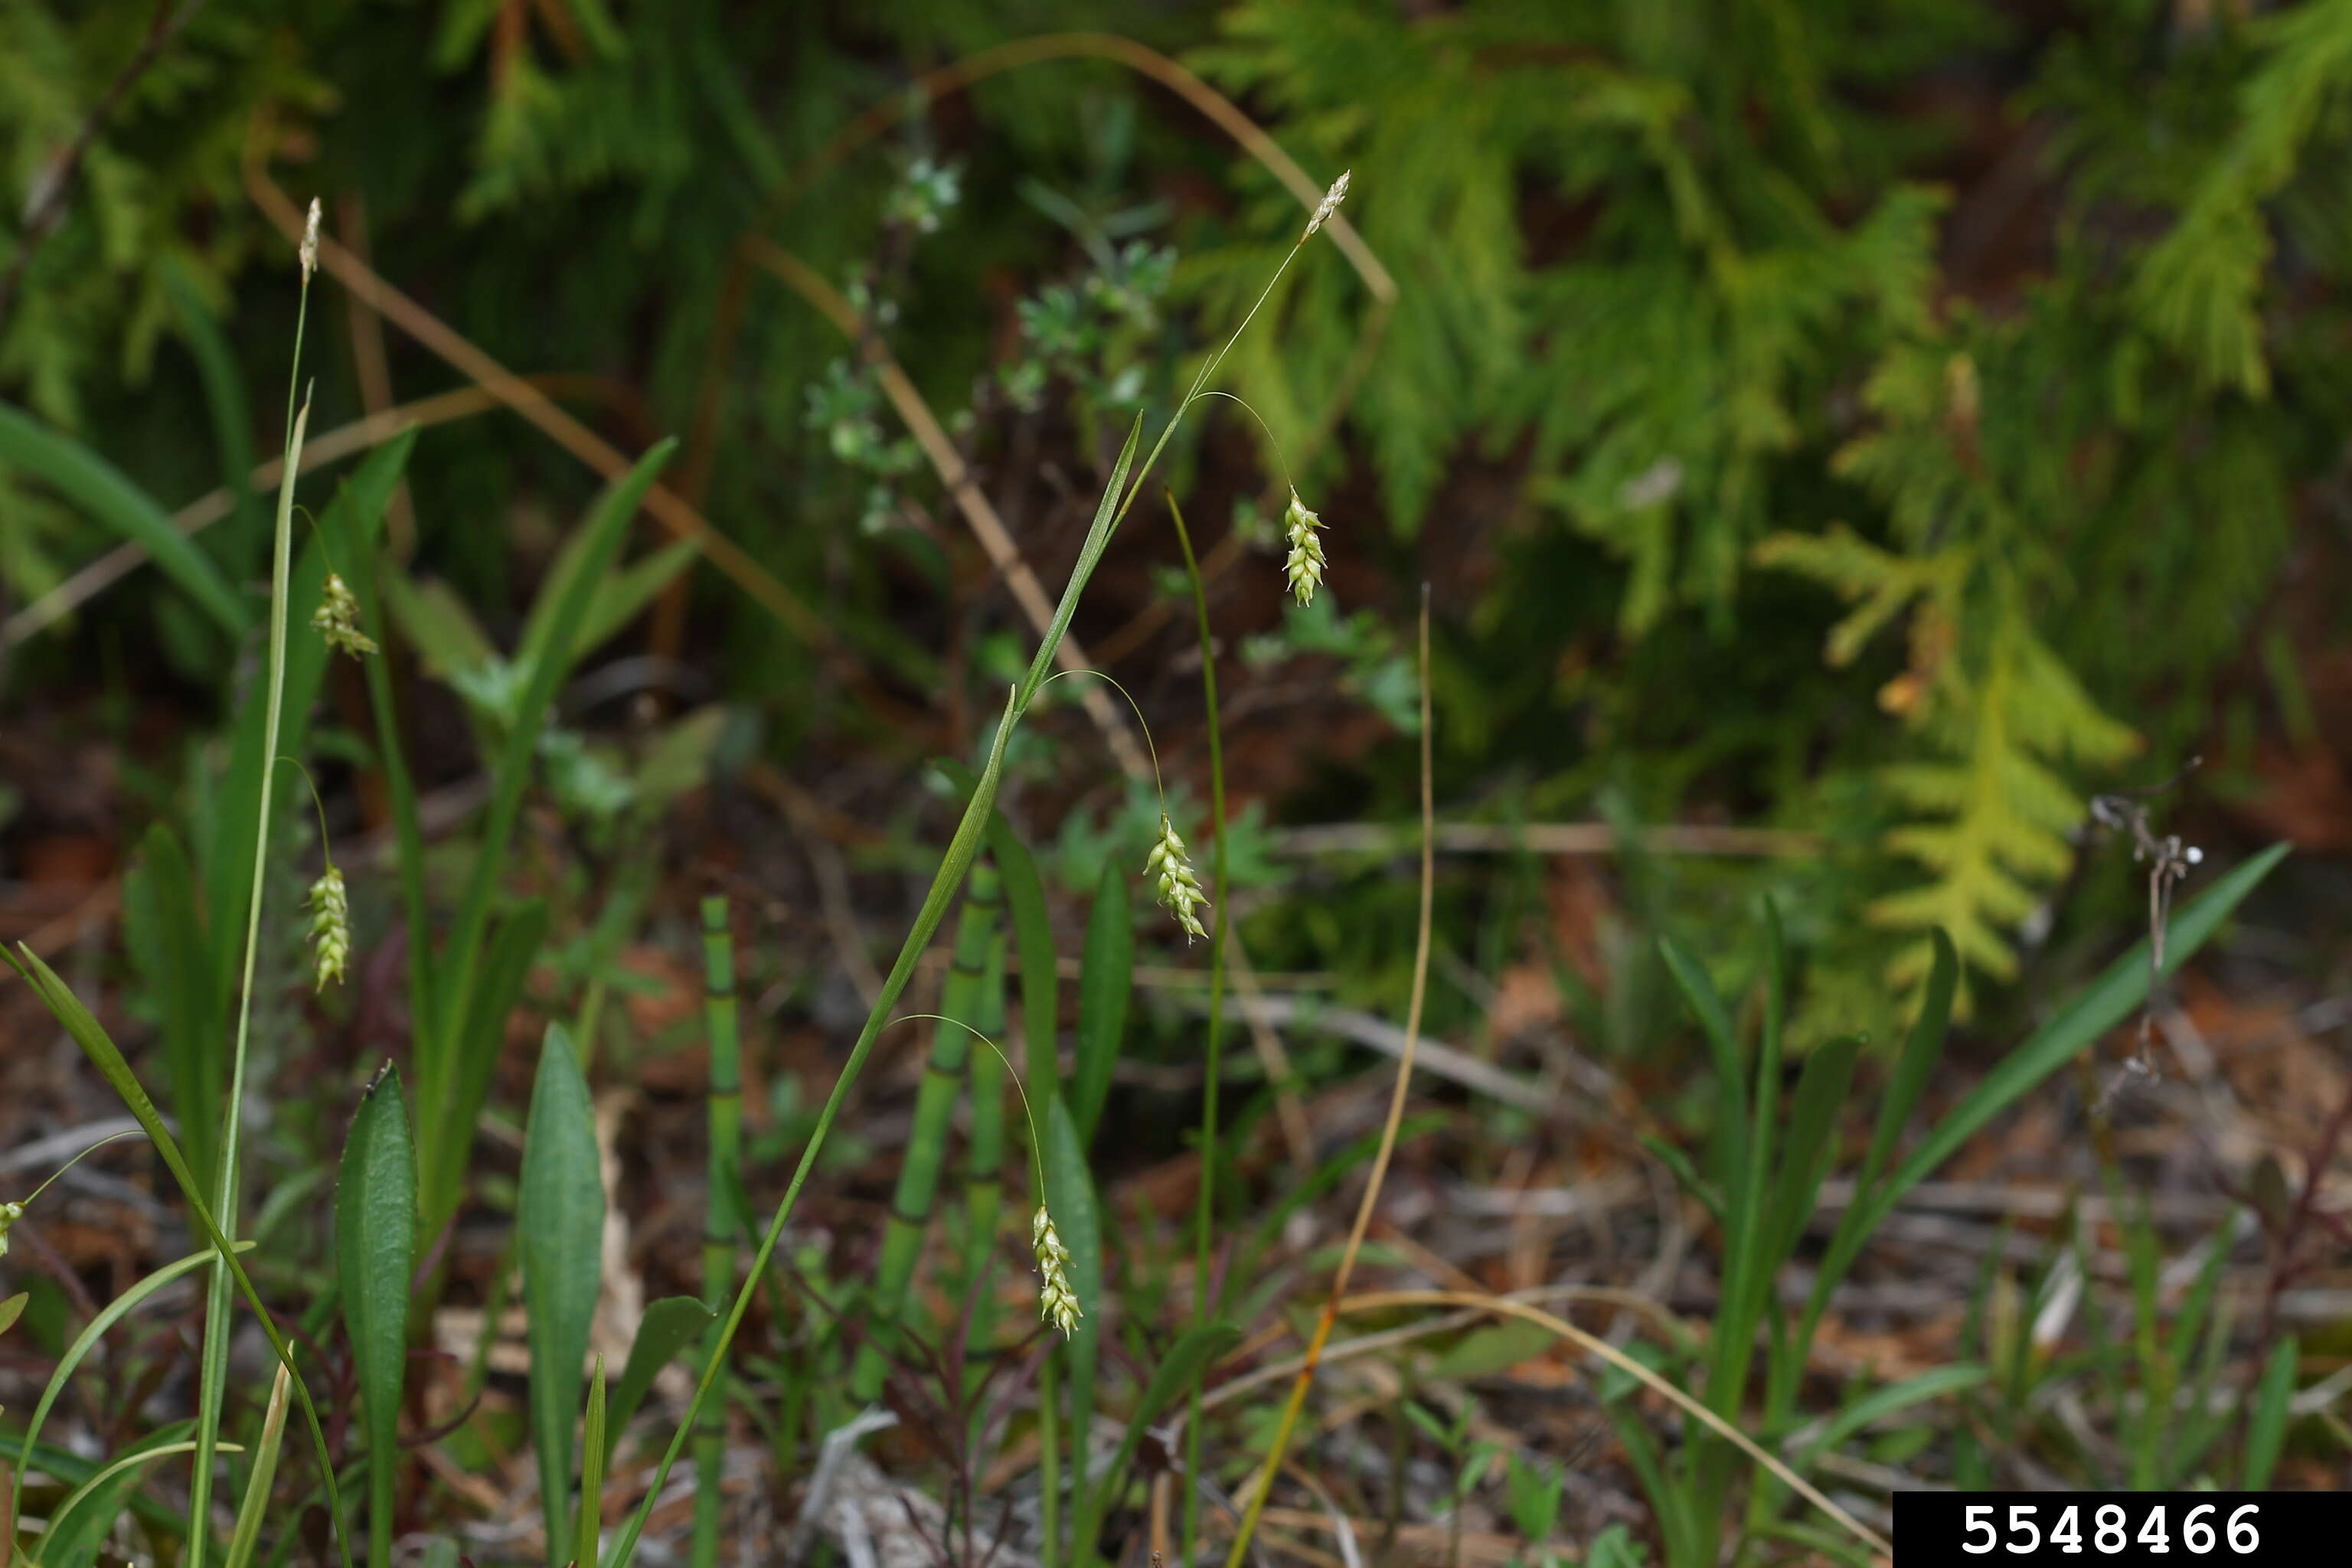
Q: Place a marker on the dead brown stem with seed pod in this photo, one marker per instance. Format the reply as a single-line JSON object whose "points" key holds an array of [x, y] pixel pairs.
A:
{"points": [[1331, 1306]]}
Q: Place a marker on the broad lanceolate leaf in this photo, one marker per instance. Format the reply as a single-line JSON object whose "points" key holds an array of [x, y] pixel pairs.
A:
{"points": [[375, 1257], [559, 1226]]}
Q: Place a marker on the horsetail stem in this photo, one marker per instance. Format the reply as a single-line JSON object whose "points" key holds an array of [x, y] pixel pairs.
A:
{"points": [[918, 1177]]}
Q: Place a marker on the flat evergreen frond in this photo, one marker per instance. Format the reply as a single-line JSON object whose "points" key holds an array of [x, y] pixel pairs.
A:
{"points": [[2200, 286]]}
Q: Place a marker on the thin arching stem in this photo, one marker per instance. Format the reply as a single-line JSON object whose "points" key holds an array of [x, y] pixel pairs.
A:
{"points": [[1034, 1142], [1282, 458], [326, 846], [27, 1201], [1158, 782]]}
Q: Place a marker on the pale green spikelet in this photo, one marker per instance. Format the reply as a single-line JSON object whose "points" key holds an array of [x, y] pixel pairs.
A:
{"points": [[11, 1212], [330, 925], [1057, 1303], [1179, 888], [337, 619], [310, 247], [1304, 569], [1328, 206]]}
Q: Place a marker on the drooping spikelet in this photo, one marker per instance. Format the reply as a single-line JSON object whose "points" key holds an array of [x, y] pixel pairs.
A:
{"points": [[11, 1212], [1179, 888], [337, 619], [1328, 205], [1304, 568], [1057, 1303], [310, 240], [330, 925]]}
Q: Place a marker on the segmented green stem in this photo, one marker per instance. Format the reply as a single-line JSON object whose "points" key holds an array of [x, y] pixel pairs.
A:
{"points": [[724, 1095], [926, 1140]]}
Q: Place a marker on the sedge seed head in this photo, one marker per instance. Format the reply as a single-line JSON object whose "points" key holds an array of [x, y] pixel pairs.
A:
{"points": [[310, 241], [9, 1215], [330, 925], [1178, 886], [337, 619], [1057, 1303], [1303, 567], [1328, 205]]}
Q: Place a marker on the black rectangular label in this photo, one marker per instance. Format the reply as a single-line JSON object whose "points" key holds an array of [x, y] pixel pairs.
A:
{"points": [[2156, 1530]]}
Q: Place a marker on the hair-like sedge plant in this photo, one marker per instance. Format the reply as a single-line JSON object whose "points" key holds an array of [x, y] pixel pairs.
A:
{"points": [[1118, 497], [213, 1377], [724, 1093], [1204, 1213]]}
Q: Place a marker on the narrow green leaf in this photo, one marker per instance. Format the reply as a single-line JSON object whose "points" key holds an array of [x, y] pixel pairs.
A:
{"points": [[107, 1057], [375, 1257], [668, 1327], [1099, 534], [560, 1232], [1921, 1051], [102, 490], [615, 598], [246, 1535], [2079, 1025], [1723, 1045], [608, 520], [113, 1312], [438, 624], [72, 1469], [1812, 1138], [2266, 1422], [1105, 982], [1678, 1166], [1033, 934], [80, 1525], [469, 1068], [1881, 1404], [13, 1307]]}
